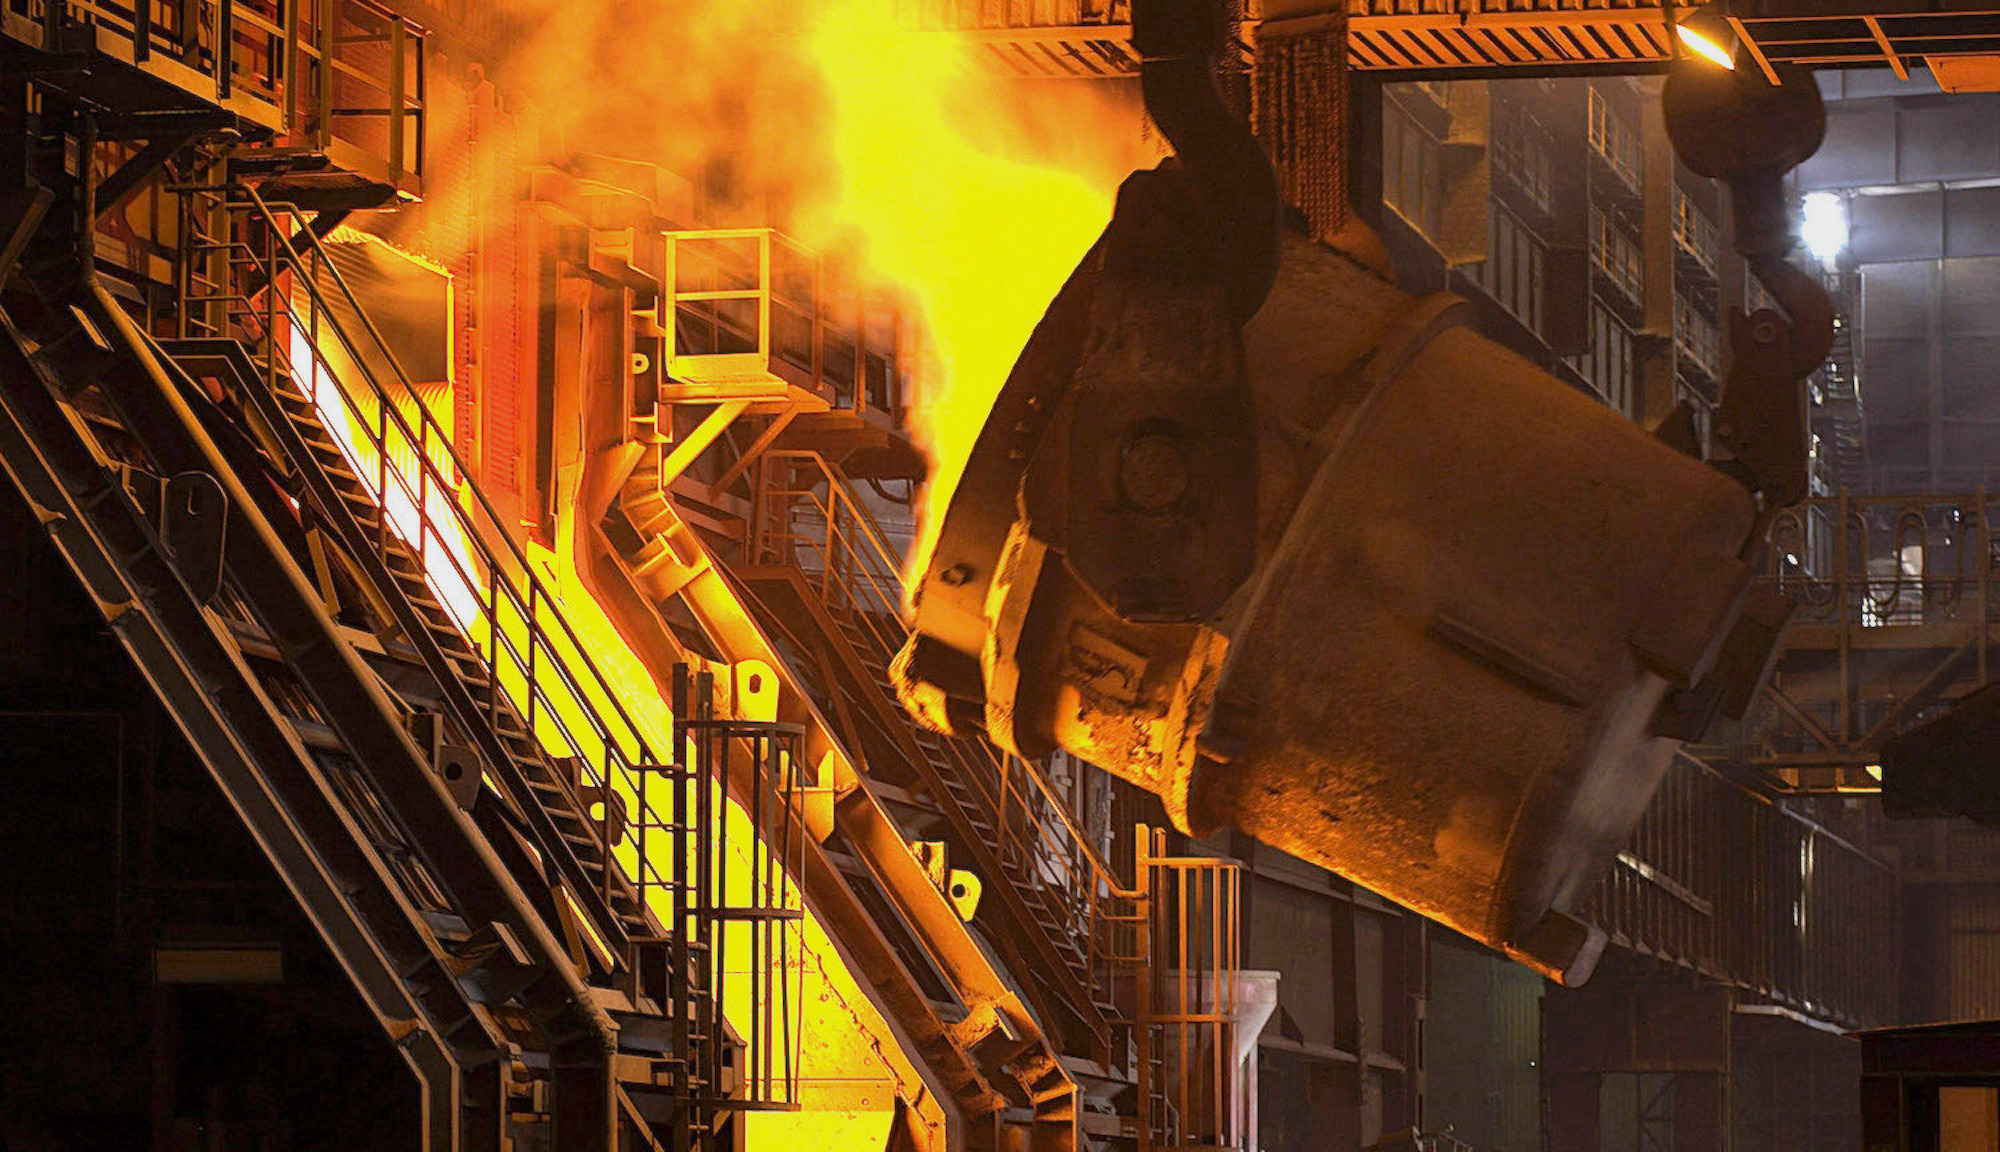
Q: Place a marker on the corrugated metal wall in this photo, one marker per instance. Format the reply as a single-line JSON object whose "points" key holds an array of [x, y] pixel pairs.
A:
{"points": [[1972, 956], [475, 223], [1482, 1043]]}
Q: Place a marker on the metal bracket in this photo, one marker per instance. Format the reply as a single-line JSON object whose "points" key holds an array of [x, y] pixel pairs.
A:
{"points": [[194, 523]]}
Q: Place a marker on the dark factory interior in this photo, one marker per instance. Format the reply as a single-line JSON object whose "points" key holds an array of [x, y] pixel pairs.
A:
{"points": [[999, 575]]}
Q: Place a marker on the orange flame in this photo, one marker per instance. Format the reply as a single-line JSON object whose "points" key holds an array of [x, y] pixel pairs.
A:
{"points": [[973, 196], [970, 193], [946, 188]]}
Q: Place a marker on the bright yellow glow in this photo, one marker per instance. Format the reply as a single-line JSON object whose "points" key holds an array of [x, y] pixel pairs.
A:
{"points": [[894, 153], [819, 1130], [1703, 46], [846, 1050], [933, 193], [1874, 770], [843, 1034], [447, 561], [899, 154]]}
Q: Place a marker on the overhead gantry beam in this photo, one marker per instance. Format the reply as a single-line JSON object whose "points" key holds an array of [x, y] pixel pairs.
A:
{"points": [[1082, 39]]}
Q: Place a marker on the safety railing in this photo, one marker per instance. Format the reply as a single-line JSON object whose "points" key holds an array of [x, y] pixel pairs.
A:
{"points": [[1894, 607], [1723, 881], [346, 75], [1617, 145], [1885, 561], [755, 304], [1523, 151], [808, 517], [1614, 255], [1694, 232], [283, 297], [1838, 378], [742, 909], [970, 15], [1837, 415], [1192, 997], [1695, 336], [1043, 39]]}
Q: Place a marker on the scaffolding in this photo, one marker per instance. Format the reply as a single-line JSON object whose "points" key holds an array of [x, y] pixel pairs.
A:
{"points": [[338, 86]]}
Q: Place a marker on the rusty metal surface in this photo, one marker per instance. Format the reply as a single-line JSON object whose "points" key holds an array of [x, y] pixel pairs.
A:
{"points": [[1439, 739], [1404, 699], [1483, 610]]}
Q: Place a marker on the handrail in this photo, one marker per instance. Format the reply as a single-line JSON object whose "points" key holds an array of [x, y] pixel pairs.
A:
{"points": [[556, 659], [1694, 334], [1616, 256], [1613, 141], [281, 53], [936, 15], [1035, 834], [886, 575], [762, 278], [1195, 926], [1798, 919], [1694, 231], [430, 426], [620, 760], [1820, 551], [509, 582]]}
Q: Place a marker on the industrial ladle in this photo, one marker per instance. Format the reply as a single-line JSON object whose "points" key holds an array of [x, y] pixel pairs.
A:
{"points": [[1298, 552]]}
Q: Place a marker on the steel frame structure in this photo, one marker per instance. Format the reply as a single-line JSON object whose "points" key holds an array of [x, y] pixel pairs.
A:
{"points": [[1760, 898], [308, 651], [1142, 953], [335, 87], [1896, 614], [1081, 39]]}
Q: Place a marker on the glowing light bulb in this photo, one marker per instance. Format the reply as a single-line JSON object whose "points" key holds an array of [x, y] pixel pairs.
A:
{"points": [[1707, 36]]}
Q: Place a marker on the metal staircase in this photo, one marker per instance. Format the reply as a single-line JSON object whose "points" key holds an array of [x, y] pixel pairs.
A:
{"points": [[552, 980], [312, 809], [1837, 414], [282, 683], [825, 571], [1154, 959], [516, 679], [962, 1008], [1032, 1009], [641, 557], [289, 418]]}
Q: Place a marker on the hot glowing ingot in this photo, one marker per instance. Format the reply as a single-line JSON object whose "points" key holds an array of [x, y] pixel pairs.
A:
{"points": [[1475, 592]]}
